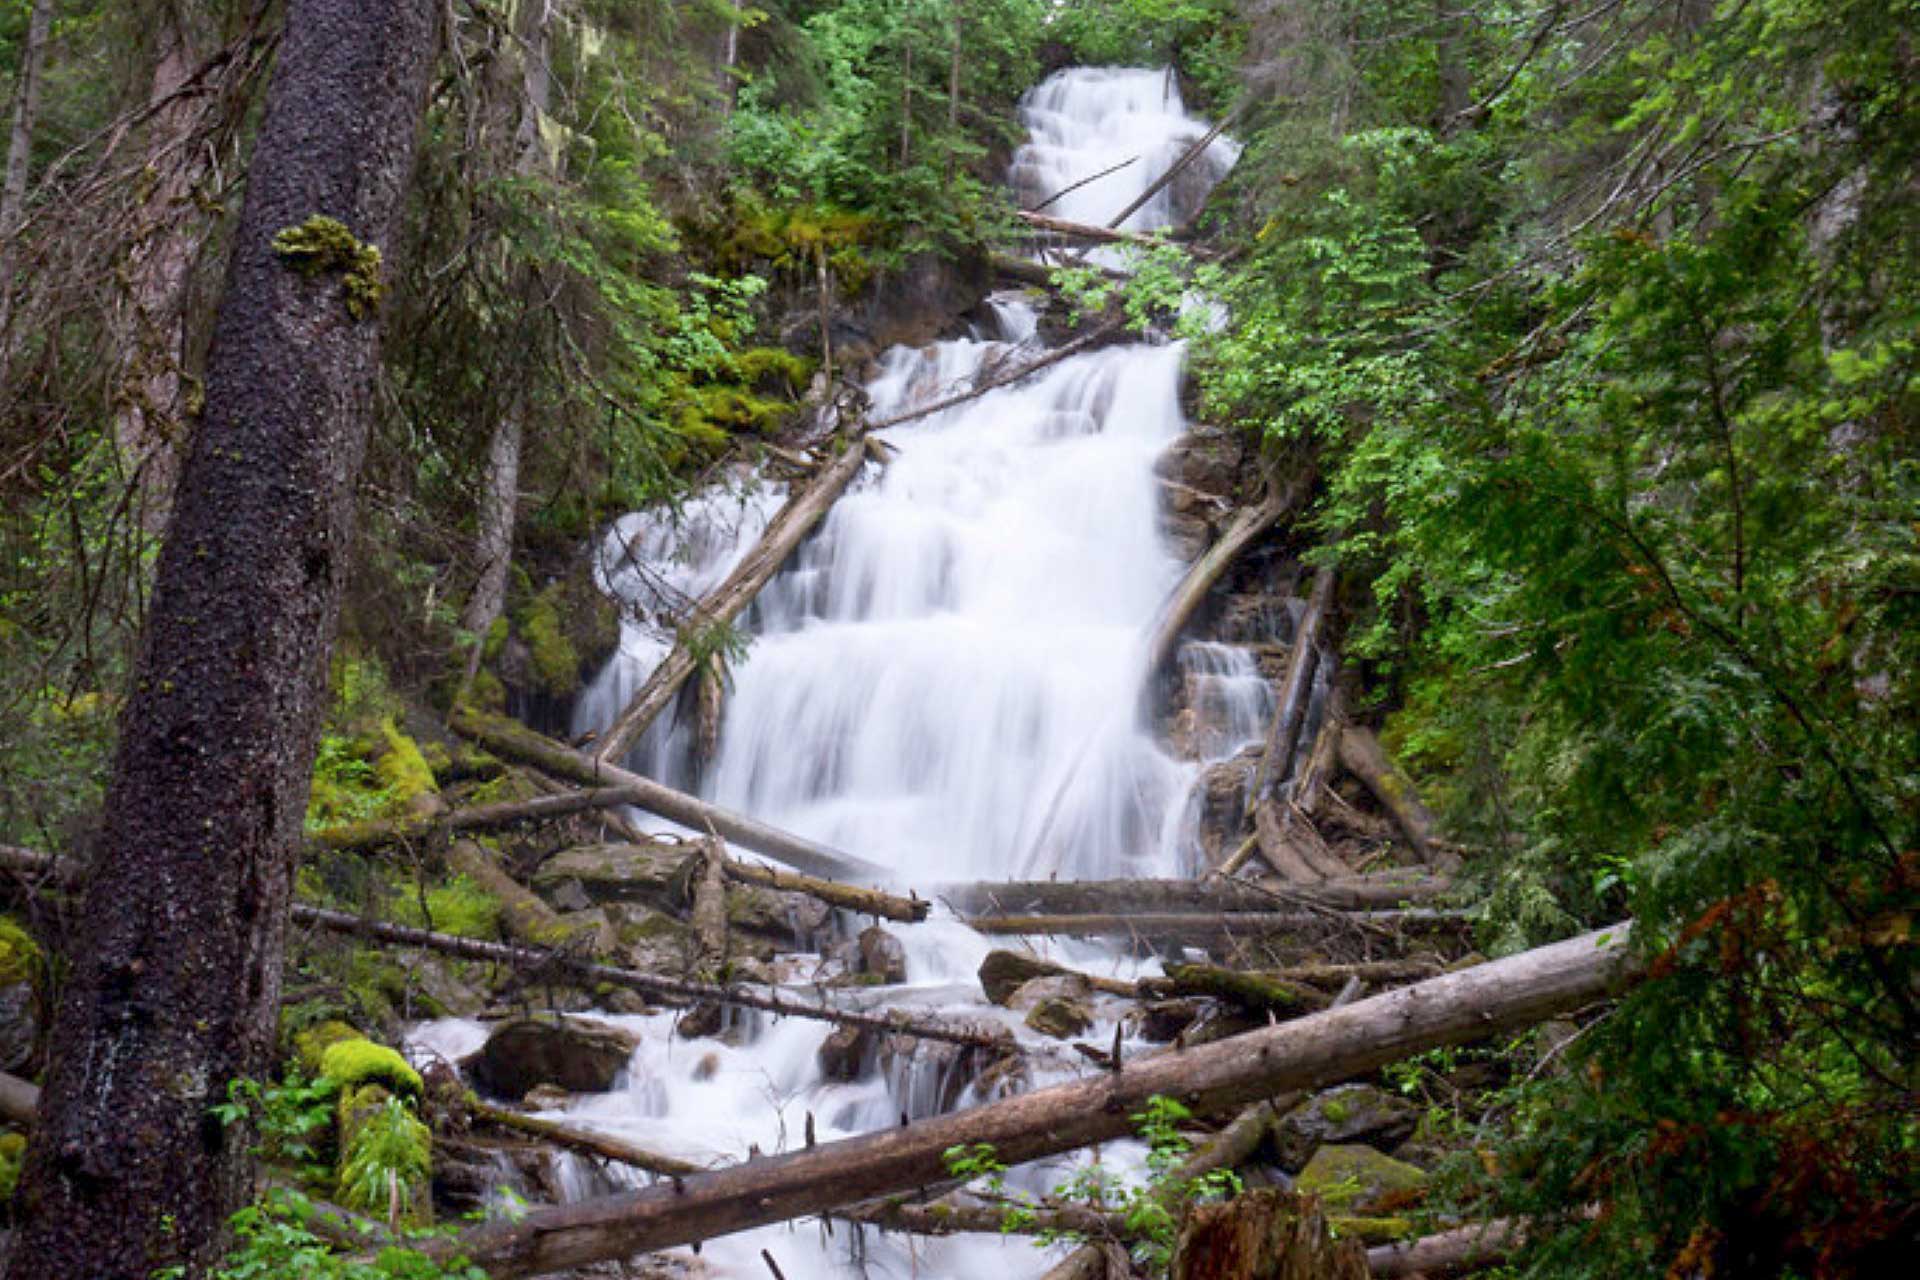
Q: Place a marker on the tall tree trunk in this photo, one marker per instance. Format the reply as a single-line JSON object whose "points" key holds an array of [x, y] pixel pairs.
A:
{"points": [[26, 112], [500, 500], [953, 89], [174, 989]]}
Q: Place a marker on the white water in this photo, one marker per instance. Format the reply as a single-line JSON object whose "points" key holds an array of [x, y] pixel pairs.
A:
{"points": [[946, 681]]}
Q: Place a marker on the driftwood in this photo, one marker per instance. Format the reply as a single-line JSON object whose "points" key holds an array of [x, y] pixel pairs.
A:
{"points": [[1479, 1245], [1308, 1053], [1362, 755], [1276, 762], [867, 902], [784, 534], [584, 1140], [668, 989], [1218, 927], [1206, 572], [1118, 897], [1084, 342], [509, 738]]}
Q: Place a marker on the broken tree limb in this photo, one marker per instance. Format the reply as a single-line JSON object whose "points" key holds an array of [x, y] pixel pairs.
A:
{"points": [[1116, 897], [1072, 187], [1480, 1245], [1087, 231], [585, 1140], [719, 607], [486, 817], [1181, 165], [1310, 1052], [669, 989], [1206, 572], [1085, 341], [1257, 992], [1362, 755], [509, 738]]}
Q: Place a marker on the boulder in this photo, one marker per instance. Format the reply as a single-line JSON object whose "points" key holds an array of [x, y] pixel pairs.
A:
{"points": [[576, 1054], [1162, 1020], [1059, 1017], [588, 875], [1350, 1113], [882, 956], [1003, 972], [1059, 986], [1356, 1179], [845, 1053]]}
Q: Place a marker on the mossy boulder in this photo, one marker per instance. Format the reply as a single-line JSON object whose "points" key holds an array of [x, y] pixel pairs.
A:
{"points": [[353, 1063], [1004, 972], [405, 775], [21, 963], [882, 956], [310, 1046], [20, 955], [386, 1158], [1059, 1017], [589, 875], [13, 1154], [1350, 1113], [579, 1055], [1352, 1178]]}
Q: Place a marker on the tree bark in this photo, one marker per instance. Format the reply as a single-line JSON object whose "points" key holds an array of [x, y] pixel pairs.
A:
{"points": [[26, 115], [1308, 1053], [1264, 1235], [1121, 897], [1362, 755], [1479, 1245], [176, 985], [799, 517], [19, 1101], [520, 743]]}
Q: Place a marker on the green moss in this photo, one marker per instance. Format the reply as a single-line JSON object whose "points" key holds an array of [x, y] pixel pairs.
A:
{"points": [[13, 1154], [1371, 1231], [1335, 1111], [496, 639], [556, 664], [457, 906], [354, 1063], [310, 1046], [774, 368], [323, 245], [20, 956], [403, 771]]}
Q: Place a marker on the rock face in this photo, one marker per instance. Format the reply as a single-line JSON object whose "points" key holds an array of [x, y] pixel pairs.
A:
{"points": [[1350, 1113], [575, 1054], [1199, 475], [1357, 1179]]}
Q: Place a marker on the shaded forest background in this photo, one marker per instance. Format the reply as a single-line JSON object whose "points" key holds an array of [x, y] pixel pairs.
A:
{"points": [[1598, 321]]}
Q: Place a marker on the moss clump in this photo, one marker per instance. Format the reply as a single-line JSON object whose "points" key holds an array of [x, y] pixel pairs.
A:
{"points": [[404, 773], [323, 245], [556, 663], [457, 906], [20, 956], [774, 369], [310, 1046], [354, 1063], [13, 1154], [1371, 1231]]}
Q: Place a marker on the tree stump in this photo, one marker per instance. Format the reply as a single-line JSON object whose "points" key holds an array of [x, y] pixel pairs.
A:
{"points": [[1264, 1235]]}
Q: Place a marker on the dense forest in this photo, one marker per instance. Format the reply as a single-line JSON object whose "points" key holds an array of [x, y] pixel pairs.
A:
{"points": [[1548, 375]]}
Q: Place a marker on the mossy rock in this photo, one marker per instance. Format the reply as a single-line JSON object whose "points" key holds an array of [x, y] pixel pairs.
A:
{"points": [[1352, 1177], [310, 1046], [20, 955], [1372, 1231], [1350, 1113], [1004, 972], [578, 1054], [590, 875], [405, 775], [353, 1063], [556, 663]]}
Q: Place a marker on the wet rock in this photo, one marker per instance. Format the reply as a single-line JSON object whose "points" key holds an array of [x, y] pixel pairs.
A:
{"points": [[772, 913], [1206, 459], [576, 1054], [702, 1020], [929, 1076], [1059, 986], [589, 875], [1223, 804], [1350, 1113], [883, 956], [1358, 1179], [546, 1097], [1003, 972], [1060, 1017], [1162, 1020], [846, 1053]]}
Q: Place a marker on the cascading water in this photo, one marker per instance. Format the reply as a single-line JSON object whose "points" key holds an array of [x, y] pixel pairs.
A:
{"points": [[945, 681]]}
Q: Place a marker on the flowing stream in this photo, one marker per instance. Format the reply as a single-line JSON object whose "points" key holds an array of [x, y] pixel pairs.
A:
{"points": [[946, 681]]}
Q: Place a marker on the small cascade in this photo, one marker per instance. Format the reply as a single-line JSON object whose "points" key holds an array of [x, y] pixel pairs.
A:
{"points": [[944, 680]]}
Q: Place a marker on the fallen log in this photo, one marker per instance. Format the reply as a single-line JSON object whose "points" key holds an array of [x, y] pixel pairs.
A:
{"points": [[1087, 231], [949, 1216], [585, 1140], [1256, 992], [1480, 1245], [669, 989], [485, 817], [1276, 761], [719, 607], [866, 902], [1217, 927], [523, 914], [1206, 572], [1362, 755], [1084, 342], [509, 738], [1117, 897], [1091, 178], [1311, 1052], [1181, 165]]}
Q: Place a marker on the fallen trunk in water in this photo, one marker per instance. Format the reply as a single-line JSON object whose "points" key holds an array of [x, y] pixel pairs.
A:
{"points": [[1122, 897], [1311, 1052]]}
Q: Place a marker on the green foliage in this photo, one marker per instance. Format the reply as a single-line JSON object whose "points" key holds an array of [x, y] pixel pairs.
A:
{"points": [[20, 955], [293, 1118], [275, 1243], [455, 905], [352, 1063], [1204, 39], [388, 1158]]}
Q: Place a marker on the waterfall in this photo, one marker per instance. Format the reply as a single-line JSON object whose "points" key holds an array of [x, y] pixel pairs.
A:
{"points": [[945, 680]]}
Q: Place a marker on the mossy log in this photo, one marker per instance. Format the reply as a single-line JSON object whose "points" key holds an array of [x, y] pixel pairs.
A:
{"points": [[524, 915], [1116, 897], [1362, 755], [866, 902], [1257, 992], [509, 738], [1310, 1052], [949, 1216], [484, 817], [789, 527], [1461, 1249]]}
